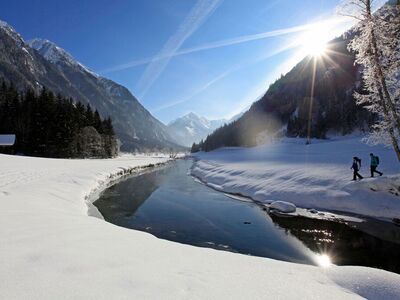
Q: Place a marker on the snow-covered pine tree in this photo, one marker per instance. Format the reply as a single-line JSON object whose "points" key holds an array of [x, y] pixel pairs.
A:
{"points": [[376, 44]]}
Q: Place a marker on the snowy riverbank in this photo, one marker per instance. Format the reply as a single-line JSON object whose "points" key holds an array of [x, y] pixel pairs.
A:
{"points": [[310, 176], [51, 249]]}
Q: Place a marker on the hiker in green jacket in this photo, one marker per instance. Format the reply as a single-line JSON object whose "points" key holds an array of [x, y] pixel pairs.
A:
{"points": [[374, 165]]}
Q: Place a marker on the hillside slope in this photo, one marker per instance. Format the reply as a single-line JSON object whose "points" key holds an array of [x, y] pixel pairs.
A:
{"points": [[41, 63], [192, 128], [285, 106]]}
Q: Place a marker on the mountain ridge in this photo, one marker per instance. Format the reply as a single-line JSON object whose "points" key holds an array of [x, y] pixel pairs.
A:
{"points": [[192, 128], [52, 67], [285, 107]]}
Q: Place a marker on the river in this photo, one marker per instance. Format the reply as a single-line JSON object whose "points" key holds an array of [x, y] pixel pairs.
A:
{"points": [[170, 204]]}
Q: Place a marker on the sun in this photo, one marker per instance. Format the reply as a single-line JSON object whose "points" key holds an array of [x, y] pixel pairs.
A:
{"points": [[323, 260], [315, 48], [314, 41]]}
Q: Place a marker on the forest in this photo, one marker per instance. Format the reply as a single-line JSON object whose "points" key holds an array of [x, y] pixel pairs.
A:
{"points": [[49, 125]]}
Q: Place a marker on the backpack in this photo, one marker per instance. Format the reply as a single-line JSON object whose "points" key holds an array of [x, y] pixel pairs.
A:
{"points": [[377, 160]]}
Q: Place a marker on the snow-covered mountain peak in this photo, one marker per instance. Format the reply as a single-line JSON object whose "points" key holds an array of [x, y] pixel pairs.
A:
{"points": [[9, 30], [193, 118], [56, 54], [191, 115], [41, 63], [192, 128], [4, 24], [51, 51]]}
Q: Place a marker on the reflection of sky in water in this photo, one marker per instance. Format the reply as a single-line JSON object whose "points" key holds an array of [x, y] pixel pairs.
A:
{"points": [[171, 205]]}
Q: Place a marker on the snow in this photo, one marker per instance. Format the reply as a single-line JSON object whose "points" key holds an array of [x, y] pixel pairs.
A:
{"points": [[50, 51], [194, 121], [309, 176], [51, 249], [283, 206], [12, 33], [190, 130], [55, 54]]}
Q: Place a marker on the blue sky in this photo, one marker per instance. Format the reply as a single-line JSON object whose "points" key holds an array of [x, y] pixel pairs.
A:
{"points": [[212, 57]]}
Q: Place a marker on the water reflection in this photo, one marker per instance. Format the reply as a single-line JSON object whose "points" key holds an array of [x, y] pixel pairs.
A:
{"points": [[343, 244], [171, 205], [122, 200]]}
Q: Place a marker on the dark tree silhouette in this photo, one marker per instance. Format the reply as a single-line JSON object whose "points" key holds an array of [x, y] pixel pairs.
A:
{"points": [[49, 125]]}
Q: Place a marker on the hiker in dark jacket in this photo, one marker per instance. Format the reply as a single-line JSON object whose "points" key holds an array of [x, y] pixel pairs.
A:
{"points": [[374, 165], [356, 166]]}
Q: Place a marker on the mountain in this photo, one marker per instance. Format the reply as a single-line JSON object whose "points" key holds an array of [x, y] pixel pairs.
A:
{"points": [[40, 63], [192, 128], [285, 107], [313, 99], [237, 116]]}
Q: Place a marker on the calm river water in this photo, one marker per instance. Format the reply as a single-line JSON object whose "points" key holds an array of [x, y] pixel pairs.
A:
{"points": [[170, 204]]}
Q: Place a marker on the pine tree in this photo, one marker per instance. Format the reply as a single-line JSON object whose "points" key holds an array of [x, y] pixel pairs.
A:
{"points": [[195, 148], [89, 116], [108, 133], [108, 128], [97, 123], [46, 125], [79, 116]]}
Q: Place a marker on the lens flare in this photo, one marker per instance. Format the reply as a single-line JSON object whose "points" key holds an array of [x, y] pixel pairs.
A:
{"points": [[323, 260], [314, 41]]}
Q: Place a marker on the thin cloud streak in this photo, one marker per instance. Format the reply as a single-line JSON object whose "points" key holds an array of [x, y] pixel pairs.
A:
{"points": [[202, 10], [222, 76], [198, 91], [281, 69], [259, 90], [224, 43]]}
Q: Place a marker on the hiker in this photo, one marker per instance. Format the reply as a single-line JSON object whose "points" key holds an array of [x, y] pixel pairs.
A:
{"points": [[356, 167], [374, 165]]}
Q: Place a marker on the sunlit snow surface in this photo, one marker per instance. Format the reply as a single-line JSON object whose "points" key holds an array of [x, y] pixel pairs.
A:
{"points": [[315, 176], [51, 249]]}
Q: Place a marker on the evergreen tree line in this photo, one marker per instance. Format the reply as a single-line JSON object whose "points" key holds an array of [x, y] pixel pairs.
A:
{"points": [[241, 132], [50, 125]]}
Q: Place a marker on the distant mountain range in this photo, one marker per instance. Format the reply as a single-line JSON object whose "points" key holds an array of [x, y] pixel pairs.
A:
{"points": [[40, 63], [192, 128]]}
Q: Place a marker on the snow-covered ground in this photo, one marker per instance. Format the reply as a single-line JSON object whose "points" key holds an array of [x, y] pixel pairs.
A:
{"points": [[314, 176], [51, 249]]}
